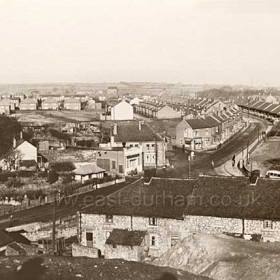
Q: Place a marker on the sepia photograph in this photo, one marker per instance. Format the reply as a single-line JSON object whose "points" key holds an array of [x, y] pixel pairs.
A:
{"points": [[140, 139]]}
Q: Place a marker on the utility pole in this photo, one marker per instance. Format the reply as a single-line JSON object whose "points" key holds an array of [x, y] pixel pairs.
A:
{"points": [[156, 152], [53, 225], [189, 165]]}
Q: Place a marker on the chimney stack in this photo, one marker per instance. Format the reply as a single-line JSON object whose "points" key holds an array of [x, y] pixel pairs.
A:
{"points": [[21, 135], [140, 125], [14, 143], [115, 129]]}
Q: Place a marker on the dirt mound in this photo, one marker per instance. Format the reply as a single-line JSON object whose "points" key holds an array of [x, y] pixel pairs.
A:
{"points": [[222, 257], [68, 268]]}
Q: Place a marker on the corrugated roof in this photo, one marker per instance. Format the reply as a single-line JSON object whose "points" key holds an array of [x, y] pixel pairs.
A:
{"points": [[125, 237]]}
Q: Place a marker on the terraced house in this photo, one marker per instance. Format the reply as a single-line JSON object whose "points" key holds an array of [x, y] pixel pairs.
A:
{"points": [[168, 210], [138, 134]]}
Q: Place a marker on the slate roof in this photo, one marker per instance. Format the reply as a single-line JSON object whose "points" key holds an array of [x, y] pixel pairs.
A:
{"points": [[241, 200], [228, 197], [125, 237], [50, 100], [28, 101], [208, 122], [138, 199], [72, 100], [88, 169], [129, 132]]}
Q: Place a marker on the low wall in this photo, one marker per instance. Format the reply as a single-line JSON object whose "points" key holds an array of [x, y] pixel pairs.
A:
{"points": [[83, 251]]}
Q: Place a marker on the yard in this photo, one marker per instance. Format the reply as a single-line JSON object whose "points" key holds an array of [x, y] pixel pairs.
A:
{"points": [[45, 117]]}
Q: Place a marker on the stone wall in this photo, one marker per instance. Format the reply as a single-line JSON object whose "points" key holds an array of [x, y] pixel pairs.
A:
{"points": [[83, 251], [164, 231]]}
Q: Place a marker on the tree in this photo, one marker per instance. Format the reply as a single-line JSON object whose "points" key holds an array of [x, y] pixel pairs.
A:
{"points": [[53, 176]]}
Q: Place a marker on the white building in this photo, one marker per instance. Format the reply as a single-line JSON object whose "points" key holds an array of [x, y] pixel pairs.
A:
{"points": [[122, 111]]}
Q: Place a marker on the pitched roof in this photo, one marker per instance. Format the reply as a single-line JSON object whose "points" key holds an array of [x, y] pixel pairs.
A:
{"points": [[50, 100], [125, 237], [72, 100], [88, 169], [235, 198], [138, 199], [129, 132], [28, 101], [228, 197]]}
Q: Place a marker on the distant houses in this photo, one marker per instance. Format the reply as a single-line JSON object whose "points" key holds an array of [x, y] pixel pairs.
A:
{"points": [[157, 111], [28, 104], [267, 110], [50, 104], [5, 107], [73, 104]]}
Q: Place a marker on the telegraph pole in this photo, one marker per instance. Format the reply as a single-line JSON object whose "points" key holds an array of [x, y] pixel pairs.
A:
{"points": [[53, 225], [189, 165]]}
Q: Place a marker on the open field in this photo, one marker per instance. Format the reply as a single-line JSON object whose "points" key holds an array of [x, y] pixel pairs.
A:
{"points": [[66, 268], [267, 156], [46, 117]]}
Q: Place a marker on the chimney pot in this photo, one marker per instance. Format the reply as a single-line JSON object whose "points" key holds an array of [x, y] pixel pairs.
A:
{"points": [[115, 129], [14, 143]]}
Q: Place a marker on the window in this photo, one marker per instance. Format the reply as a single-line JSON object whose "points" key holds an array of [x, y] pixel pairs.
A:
{"points": [[268, 224], [153, 241], [113, 164], [153, 145], [89, 236], [148, 145], [120, 168], [109, 219], [174, 240], [114, 246], [153, 221], [89, 239]]}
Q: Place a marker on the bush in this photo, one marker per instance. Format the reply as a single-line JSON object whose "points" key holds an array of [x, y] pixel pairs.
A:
{"points": [[53, 177], [62, 166], [14, 183]]}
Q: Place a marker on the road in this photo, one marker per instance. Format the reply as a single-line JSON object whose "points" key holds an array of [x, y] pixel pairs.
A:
{"points": [[202, 162], [66, 207]]}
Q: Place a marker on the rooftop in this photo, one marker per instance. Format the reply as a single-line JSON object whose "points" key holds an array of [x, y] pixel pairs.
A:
{"points": [[125, 237], [228, 197], [88, 169], [130, 132]]}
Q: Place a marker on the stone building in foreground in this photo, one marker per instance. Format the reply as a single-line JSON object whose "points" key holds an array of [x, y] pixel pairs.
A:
{"points": [[168, 210]]}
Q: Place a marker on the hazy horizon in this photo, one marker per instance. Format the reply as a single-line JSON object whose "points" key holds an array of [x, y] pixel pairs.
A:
{"points": [[216, 42]]}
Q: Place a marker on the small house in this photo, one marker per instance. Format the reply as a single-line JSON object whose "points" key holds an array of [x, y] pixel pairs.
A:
{"points": [[126, 244], [89, 171]]}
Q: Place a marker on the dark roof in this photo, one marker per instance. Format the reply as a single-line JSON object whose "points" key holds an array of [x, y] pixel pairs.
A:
{"points": [[15, 246], [138, 199], [125, 237], [28, 163], [216, 196], [9, 237], [5, 239], [130, 132], [208, 122], [235, 198]]}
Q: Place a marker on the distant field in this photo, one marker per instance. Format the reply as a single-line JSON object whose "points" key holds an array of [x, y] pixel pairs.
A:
{"points": [[45, 117]]}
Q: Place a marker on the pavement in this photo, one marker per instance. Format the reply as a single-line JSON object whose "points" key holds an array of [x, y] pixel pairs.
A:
{"points": [[228, 169]]}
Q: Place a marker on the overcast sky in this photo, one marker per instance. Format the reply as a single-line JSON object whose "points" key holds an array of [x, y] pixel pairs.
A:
{"points": [[192, 41]]}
